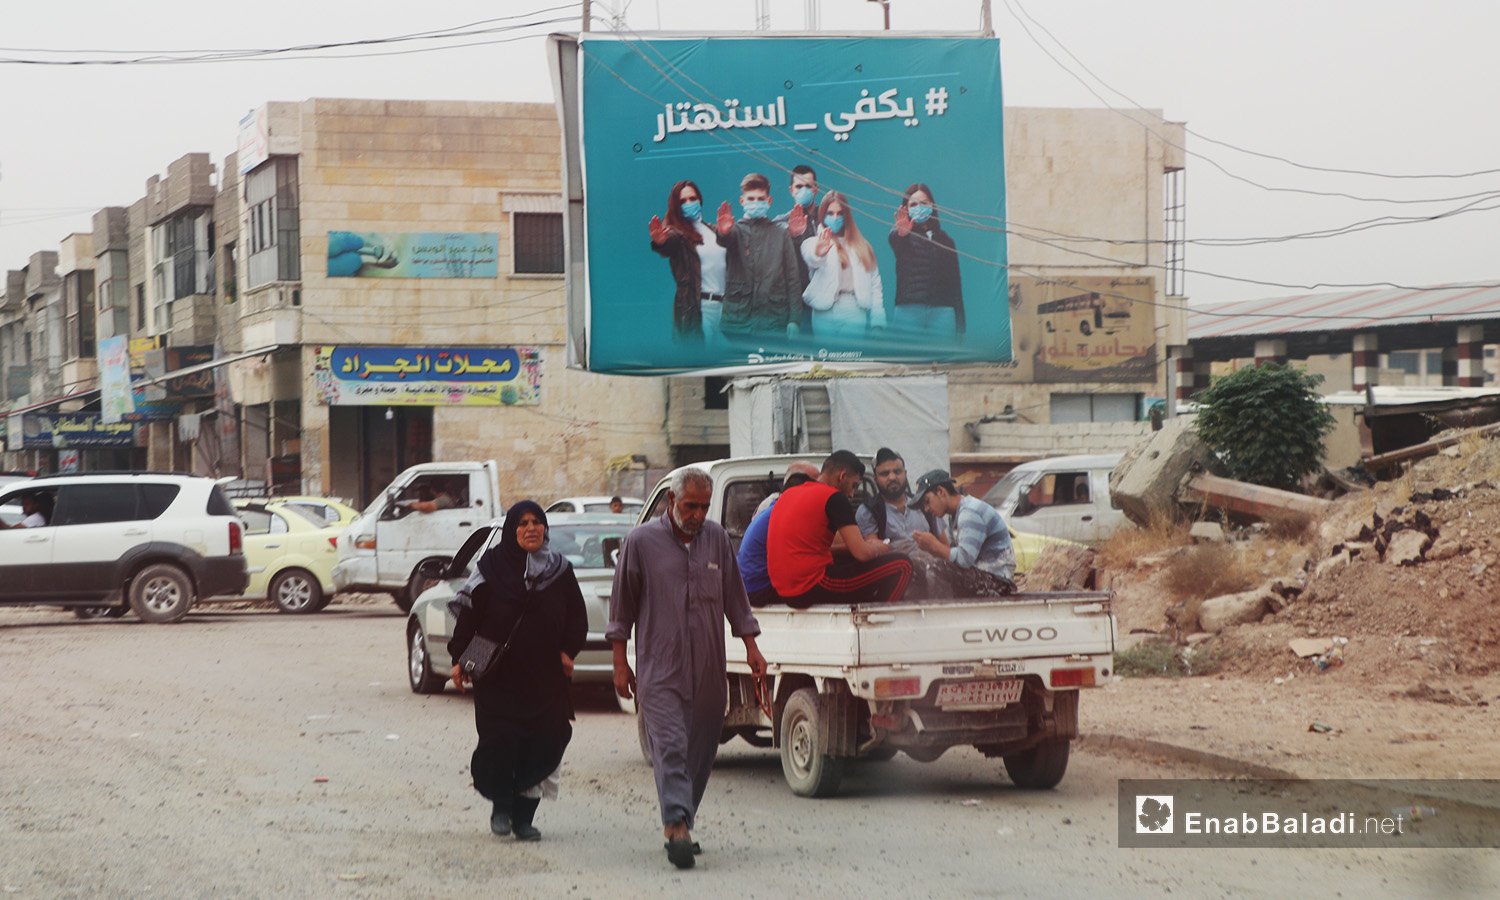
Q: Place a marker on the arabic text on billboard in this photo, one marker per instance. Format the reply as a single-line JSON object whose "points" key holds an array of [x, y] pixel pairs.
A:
{"points": [[428, 376], [768, 200], [81, 430], [353, 254]]}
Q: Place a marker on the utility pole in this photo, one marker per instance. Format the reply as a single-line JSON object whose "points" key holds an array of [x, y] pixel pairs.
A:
{"points": [[587, 13]]}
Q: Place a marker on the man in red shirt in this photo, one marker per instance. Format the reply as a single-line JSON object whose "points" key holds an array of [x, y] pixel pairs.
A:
{"points": [[806, 524]]}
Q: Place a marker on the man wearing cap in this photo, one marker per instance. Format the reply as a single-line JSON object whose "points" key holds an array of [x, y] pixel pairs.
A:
{"points": [[805, 522], [887, 515], [752, 555], [980, 539]]}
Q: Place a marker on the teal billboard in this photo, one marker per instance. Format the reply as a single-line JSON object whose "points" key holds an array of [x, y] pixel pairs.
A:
{"points": [[768, 202]]}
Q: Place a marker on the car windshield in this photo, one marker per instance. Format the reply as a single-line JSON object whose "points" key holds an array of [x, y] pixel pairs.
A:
{"points": [[1004, 488], [631, 508], [586, 545], [302, 512]]}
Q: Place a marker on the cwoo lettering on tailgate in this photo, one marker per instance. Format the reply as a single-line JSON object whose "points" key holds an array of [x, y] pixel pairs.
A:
{"points": [[1002, 635]]}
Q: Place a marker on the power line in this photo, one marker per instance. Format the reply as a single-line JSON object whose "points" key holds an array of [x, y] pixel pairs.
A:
{"points": [[1214, 163], [1246, 150], [306, 51]]}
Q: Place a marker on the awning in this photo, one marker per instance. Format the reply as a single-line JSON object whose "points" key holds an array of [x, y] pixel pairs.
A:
{"points": [[176, 373]]}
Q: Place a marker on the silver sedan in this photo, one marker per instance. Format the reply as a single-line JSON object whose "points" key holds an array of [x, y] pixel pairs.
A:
{"points": [[591, 543]]}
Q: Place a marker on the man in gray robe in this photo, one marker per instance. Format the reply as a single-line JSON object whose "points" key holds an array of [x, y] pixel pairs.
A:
{"points": [[675, 584]]}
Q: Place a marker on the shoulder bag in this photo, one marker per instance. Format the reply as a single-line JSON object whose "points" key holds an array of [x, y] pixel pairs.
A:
{"points": [[481, 655]]}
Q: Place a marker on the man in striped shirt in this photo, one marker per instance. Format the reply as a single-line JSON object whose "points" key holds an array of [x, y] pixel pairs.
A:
{"points": [[980, 539]]}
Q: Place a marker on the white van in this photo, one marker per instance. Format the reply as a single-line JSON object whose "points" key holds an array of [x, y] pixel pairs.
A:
{"points": [[1064, 497], [385, 548]]}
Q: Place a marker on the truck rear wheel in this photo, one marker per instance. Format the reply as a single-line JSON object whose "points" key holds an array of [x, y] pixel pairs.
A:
{"points": [[1041, 767], [809, 771]]}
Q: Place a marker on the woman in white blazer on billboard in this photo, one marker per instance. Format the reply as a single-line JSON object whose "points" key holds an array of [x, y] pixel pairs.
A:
{"points": [[843, 287]]}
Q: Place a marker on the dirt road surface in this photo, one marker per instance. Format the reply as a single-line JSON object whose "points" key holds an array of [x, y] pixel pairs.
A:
{"points": [[165, 761]]}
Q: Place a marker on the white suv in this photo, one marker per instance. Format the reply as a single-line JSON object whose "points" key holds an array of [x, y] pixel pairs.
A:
{"points": [[155, 541]]}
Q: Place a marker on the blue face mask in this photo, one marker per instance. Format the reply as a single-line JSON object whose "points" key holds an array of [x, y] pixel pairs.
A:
{"points": [[919, 213], [803, 195], [835, 223], [756, 209], [692, 209]]}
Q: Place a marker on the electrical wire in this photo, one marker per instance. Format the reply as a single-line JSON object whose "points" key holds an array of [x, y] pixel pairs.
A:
{"points": [[306, 51], [1236, 147]]}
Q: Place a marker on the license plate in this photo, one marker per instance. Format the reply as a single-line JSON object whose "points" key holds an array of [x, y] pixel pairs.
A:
{"points": [[979, 694]]}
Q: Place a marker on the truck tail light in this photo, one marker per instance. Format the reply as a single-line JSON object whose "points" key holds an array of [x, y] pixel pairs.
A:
{"points": [[1072, 678], [364, 542], [886, 688], [235, 544]]}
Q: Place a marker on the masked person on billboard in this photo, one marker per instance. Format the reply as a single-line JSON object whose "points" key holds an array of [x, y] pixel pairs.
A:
{"points": [[929, 296], [762, 281], [845, 293], [697, 262], [801, 222], [348, 253]]}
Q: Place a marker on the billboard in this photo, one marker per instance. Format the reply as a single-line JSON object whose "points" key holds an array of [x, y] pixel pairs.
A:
{"points": [[41, 431], [1092, 329], [428, 376], [876, 236], [115, 398], [358, 254]]}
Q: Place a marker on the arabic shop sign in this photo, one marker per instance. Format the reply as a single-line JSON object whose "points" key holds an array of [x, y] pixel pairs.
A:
{"points": [[905, 139], [354, 254], [41, 431], [428, 376]]}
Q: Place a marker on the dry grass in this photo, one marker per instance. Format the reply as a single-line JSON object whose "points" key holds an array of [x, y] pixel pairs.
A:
{"points": [[1289, 526], [1164, 531], [1163, 659], [1208, 570]]}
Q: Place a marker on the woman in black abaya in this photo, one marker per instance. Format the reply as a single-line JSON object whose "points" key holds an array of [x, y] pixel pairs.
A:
{"points": [[529, 599]]}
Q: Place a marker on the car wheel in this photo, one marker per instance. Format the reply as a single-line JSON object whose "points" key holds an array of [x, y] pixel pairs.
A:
{"points": [[296, 591], [809, 771], [418, 665], [161, 593], [1041, 767]]}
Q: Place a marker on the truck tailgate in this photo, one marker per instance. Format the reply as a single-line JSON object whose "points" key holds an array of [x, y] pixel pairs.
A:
{"points": [[1016, 627]]}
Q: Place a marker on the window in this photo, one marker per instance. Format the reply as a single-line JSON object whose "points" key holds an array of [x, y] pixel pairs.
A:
{"points": [[715, 395], [218, 504], [537, 243], [95, 504], [1405, 361], [273, 228], [1078, 408], [155, 498], [256, 521], [1055, 489], [78, 305], [140, 307], [740, 502]]}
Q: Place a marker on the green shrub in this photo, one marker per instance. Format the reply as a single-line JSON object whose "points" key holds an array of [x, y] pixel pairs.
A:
{"points": [[1266, 423]]}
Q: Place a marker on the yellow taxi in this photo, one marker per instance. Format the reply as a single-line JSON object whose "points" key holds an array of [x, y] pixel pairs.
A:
{"points": [[289, 554]]}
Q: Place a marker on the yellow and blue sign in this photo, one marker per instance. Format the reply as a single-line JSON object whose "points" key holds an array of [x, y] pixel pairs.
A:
{"points": [[428, 376], [897, 255]]}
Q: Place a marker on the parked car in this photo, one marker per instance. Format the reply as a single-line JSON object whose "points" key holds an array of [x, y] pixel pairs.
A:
{"points": [[157, 542], [590, 541], [289, 555], [1064, 497], [386, 545], [594, 505]]}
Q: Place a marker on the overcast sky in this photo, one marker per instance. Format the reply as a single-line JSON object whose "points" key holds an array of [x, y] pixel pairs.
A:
{"points": [[1374, 85]]}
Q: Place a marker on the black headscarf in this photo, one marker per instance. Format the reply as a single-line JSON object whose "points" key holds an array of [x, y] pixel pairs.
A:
{"points": [[509, 570]]}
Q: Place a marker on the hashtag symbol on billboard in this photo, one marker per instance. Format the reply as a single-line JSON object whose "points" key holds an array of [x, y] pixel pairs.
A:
{"points": [[937, 101]]}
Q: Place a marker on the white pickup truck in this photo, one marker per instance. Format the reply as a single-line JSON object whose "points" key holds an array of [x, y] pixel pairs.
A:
{"points": [[392, 548], [1000, 674]]}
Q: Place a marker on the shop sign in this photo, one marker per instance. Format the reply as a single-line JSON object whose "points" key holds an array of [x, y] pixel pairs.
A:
{"points": [[428, 376], [43, 431]]}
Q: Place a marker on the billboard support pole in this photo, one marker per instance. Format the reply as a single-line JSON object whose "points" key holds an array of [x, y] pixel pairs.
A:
{"points": [[587, 14], [986, 22]]}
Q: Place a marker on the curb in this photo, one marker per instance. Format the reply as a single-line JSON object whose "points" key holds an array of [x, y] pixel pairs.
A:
{"points": [[1229, 766], [1226, 765]]}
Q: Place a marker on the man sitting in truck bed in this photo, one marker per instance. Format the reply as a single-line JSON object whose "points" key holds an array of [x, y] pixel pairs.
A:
{"points": [[799, 545], [980, 540]]}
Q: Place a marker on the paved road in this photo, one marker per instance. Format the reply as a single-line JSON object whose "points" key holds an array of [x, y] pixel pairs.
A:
{"points": [[180, 760]]}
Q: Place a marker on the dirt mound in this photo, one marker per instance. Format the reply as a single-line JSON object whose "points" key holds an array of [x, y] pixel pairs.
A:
{"points": [[1408, 571]]}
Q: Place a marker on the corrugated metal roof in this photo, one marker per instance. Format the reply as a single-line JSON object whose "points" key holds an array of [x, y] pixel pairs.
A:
{"points": [[1397, 395], [1346, 311]]}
